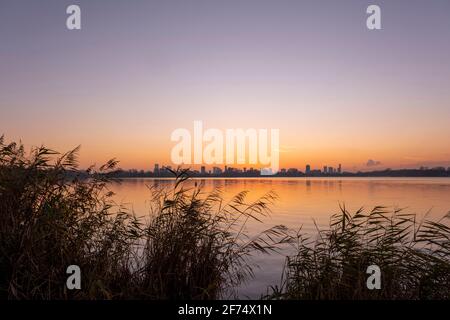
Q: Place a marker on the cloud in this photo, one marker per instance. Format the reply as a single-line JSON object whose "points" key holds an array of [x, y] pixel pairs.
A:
{"points": [[372, 163]]}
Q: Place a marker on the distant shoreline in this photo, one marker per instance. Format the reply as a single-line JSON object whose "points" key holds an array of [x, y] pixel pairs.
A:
{"points": [[290, 178], [276, 177], [402, 173]]}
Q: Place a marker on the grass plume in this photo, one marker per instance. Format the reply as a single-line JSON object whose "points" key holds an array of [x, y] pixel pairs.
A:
{"points": [[414, 258], [193, 246]]}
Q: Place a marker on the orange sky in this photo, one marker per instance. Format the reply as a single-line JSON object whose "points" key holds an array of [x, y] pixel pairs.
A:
{"points": [[337, 92]]}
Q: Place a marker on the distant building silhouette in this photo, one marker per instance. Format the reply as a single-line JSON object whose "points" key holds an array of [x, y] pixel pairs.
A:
{"points": [[328, 171]]}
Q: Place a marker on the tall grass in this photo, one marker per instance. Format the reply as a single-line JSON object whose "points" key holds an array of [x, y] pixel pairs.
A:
{"points": [[197, 246], [414, 258], [192, 246]]}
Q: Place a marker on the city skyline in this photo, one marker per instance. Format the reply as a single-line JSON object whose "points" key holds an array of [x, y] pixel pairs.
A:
{"points": [[309, 170]]}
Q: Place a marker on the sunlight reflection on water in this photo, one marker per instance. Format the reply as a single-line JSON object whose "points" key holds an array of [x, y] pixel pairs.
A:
{"points": [[303, 201]]}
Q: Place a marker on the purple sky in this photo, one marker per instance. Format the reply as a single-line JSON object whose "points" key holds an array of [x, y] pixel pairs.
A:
{"points": [[139, 69]]}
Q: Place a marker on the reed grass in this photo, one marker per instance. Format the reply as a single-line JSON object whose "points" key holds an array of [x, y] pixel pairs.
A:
{"points": [[192, 246], [413, 256]]}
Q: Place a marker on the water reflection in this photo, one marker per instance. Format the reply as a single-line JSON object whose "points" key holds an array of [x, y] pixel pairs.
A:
{"points": [[302, 201]]}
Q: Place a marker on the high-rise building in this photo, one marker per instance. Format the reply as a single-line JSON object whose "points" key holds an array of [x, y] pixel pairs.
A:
{"points": [[325, 170], [156, 169], [203, 170], [340, 168], [308, 169]]}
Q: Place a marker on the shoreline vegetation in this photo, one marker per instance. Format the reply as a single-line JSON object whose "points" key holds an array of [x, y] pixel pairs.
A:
{"points": [[194, 244]]}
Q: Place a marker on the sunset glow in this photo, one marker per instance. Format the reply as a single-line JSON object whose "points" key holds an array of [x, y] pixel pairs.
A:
{"points": [[338, 92]]}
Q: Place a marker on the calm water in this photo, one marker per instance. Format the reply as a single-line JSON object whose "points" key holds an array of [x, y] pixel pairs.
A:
{"points": [[305, 200]]}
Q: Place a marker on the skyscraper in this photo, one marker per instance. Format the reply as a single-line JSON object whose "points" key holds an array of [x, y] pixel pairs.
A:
{"points": [[308, 169], [340, 169]]}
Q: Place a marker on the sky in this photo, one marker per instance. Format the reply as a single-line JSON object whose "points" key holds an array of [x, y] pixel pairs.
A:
{"points": [[137, 70]]}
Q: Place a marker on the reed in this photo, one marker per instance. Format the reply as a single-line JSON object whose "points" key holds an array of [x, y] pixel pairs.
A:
{"points": [[414, 258], [197, 246], [192, 245]]}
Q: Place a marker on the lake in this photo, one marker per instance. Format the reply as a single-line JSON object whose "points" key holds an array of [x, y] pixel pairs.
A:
{"points": [[303, 201]]}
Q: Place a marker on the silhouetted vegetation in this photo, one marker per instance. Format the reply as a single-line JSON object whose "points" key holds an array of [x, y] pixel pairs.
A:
{"points": [[192, 246], [414, 258]]}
